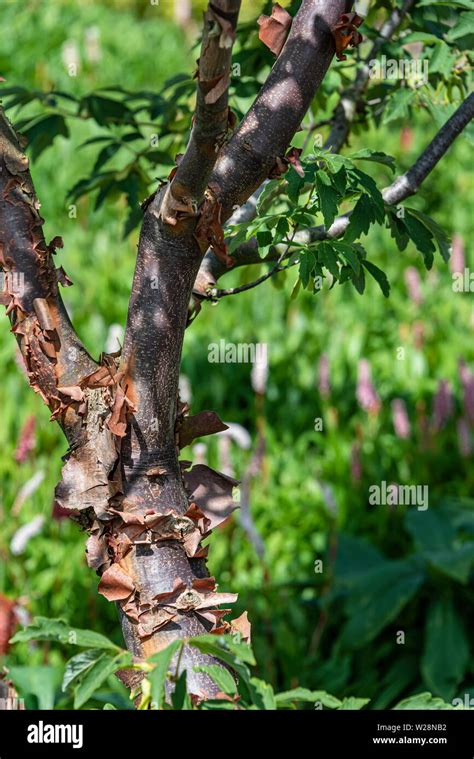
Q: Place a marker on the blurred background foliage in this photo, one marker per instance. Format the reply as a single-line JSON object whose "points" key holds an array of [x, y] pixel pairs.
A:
{"points": [[391, 379]]}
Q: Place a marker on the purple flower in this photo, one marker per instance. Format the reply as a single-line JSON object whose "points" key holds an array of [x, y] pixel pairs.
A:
{"points": [[457, 262], [366, 394], [413, 284], [324, 382], [464, 438], [442, 404], [401, 422]]}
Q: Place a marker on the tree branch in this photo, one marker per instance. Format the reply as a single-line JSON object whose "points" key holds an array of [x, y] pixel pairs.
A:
{"points": [[404, 186], [53, 354], [268, 128], [171, 246], [351, 98], [211, 118]]}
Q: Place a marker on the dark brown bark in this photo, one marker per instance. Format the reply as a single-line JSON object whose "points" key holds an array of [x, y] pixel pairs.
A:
{"points": [[268, 128], [123, 478]]}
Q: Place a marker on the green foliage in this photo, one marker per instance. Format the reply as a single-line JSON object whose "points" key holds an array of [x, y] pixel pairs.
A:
{"points": [[406, 570], [57, 629], [164, 685]]}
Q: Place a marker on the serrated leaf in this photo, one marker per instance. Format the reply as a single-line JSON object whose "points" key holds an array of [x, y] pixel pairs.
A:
{"points": [[436, 231], [307, 263], [328, 198], [397, 105], [105, 110], [358, 280], [442, 60], [360, 219], [464, 27], [376, 156], [43, 131], [379, 276], [368, 184], [397, 229], [105, 155], [421, 236], [349, 253], [327, 256]]}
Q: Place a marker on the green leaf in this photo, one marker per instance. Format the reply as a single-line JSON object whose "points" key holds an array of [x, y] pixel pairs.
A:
{"points": [[105, 111], [294, 186], [296, 288], [378, 597], [422, 701], [220, 676], [469, 4], [307, 264], [41, 682], [442, 60], [263, 696], [180, 697], [235, 655], [358, 280], [430, 530], [360, 219], [436, 231], [374, 155], [76, 666], [328, 198], [340, 180], [349, 253], [464, 26], [352, 703], [290, 697], [398, 229], [397, 105], [158, 676], [42, 132], [456, 563], [327, 256], [446, 650], [57, 629], [379, 276], [369, 185], [421, 237], [97, 674], [105, 155], [264, 238]]}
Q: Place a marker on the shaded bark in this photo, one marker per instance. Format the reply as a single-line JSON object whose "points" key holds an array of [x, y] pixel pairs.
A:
{"points": [[268, 128]]}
